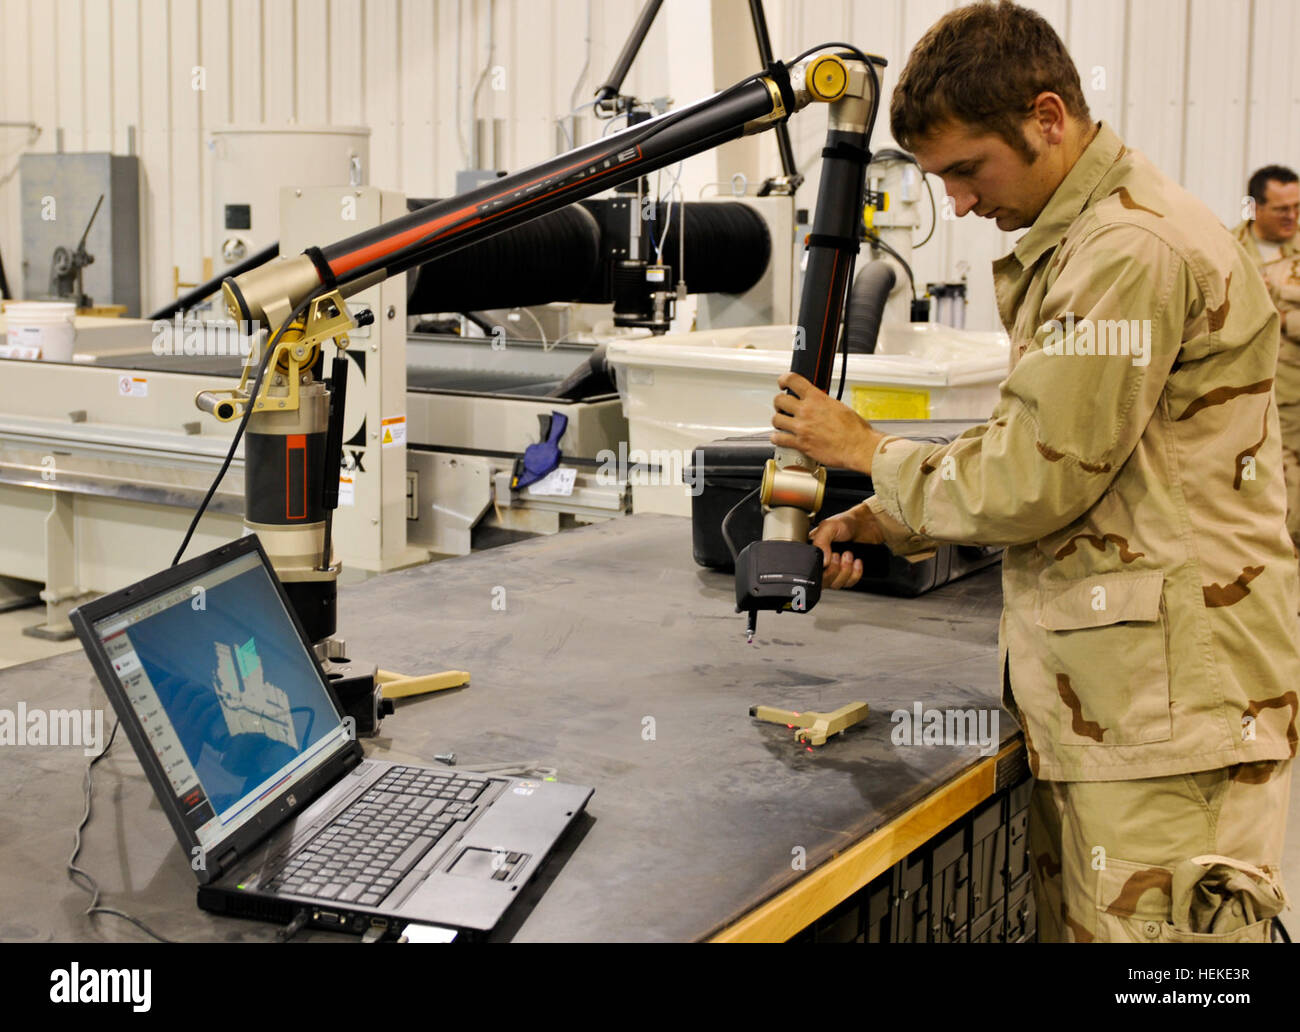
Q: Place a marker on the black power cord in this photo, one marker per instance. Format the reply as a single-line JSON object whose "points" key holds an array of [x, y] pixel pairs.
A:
{"points": [[726, 522], [875, 241], [88, 883], [934, 208], [892, 154]]}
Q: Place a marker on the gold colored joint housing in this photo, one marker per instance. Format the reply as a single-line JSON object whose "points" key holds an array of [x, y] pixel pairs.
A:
{"points": [[798, 488], [269, 293], [295, 349], [777, 113], [826, 78]]}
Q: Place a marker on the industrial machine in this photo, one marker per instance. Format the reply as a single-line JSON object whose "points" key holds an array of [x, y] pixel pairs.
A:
{"points": [[66, 267], [291, 416], [81, 229]]}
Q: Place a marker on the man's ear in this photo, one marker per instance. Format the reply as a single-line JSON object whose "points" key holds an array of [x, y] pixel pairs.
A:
{"points": [[1048, 118]]}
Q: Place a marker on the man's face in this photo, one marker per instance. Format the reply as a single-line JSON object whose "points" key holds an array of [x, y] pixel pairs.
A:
{"points": [[982, 173], [1275, 219]]}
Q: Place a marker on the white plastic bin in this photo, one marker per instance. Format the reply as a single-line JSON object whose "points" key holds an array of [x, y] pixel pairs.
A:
{"points": [[683, 390]]}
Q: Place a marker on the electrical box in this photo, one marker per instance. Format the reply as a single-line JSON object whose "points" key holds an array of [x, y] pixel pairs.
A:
{"points": [[59, 194], [250, 165]]}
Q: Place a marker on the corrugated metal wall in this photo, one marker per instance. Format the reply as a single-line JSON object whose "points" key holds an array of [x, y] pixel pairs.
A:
{"points": [[94, 68], [1207, 88]]}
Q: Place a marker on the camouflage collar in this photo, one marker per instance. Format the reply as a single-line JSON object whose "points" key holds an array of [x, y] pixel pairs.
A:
{"points": [[1243, 232], [1071, 197]]}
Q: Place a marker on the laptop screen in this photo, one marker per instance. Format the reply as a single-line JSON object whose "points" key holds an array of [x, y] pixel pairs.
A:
{"points": [[226, 693]]}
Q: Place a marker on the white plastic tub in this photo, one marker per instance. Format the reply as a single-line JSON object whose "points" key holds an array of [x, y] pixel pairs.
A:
{"points": [[39, 330], [683, 390]]}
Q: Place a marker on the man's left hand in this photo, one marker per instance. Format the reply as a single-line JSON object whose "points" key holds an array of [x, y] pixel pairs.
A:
{"points": [[825, 430]]}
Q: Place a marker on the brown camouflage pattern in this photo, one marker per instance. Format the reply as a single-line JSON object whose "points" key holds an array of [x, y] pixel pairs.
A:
{"points": [[1079, 724], [1282, 275], [1171, 467], [1136, 861]]}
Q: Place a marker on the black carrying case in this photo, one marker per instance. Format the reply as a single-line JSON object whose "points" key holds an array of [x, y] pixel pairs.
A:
{"points": [[723, 472]]}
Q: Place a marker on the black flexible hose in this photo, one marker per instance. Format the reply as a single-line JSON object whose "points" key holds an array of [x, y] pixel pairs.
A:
{"points": [[590, 379], [871, 289]]}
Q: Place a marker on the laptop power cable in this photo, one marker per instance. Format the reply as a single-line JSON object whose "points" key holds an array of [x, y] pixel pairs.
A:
{"points": [[88, 883], [295, 926]]}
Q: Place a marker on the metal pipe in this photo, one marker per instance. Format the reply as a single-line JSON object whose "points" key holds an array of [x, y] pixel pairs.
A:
{"points": [[448, 225], [759, 19], [834, 238], [753, 105], [192, 297], [611, 86]]}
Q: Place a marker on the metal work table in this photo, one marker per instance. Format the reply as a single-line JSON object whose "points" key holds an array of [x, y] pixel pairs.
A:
{"points": [[606, 653]]}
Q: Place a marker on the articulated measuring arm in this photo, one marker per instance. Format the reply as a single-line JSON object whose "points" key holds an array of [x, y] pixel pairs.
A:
{"points": [[271, 294], [783, 571], [268, 294]]}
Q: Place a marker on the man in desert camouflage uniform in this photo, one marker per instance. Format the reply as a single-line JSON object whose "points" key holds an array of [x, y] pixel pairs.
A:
{"points": [[1269, 238], [1149, 585]]}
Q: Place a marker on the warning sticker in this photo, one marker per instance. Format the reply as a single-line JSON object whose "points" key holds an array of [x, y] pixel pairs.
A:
{"points": [[558, 481], [133, 386], [392, 431], [25, 351], [347, 489], [891, 403]]}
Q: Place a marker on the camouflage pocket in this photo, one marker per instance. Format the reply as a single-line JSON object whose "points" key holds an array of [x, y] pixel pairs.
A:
{"points": [[1205, 899], [1106, 656]]}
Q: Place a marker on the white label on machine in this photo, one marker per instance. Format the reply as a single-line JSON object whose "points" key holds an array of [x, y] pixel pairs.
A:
{"points": [[558, 481], [347, 489], [133, 386], [654, 274], [392, 432]]}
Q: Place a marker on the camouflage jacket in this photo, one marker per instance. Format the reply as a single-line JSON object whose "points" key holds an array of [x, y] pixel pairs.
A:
{"points": [[1282, 275], [1132, 468]]}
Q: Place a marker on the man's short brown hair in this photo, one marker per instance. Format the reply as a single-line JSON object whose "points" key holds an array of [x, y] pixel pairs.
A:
{"points": [[983, 64]]}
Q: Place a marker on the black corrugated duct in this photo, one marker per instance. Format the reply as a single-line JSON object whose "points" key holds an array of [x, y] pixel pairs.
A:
{"points": [[867, 300], [549, 259], [569, 255], [727, 246]]}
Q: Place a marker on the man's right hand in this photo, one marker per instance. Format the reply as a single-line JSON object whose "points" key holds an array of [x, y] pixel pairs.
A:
{"points": [[859, 524]]}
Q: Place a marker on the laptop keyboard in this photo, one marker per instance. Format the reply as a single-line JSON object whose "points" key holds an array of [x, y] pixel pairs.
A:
{"points": [[365, 851]]}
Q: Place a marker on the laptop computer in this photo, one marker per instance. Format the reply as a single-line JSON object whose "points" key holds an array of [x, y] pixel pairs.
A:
{"points": [[267, 789]]}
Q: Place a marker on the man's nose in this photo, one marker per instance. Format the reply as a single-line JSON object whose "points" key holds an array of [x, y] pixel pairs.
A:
{"points": [[962, 202]]}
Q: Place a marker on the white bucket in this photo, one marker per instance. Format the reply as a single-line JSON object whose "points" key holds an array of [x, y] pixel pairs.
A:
{"points": [[40, 329]]}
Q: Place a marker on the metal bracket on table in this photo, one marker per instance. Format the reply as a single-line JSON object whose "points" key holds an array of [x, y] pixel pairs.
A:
{"points": [[813, 728]]}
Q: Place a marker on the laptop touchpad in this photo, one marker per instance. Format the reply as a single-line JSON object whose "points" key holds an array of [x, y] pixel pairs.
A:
{"points": [[477, 863]]}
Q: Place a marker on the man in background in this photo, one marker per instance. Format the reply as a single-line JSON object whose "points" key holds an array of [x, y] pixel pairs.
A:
{"points": [[1269, 238]]}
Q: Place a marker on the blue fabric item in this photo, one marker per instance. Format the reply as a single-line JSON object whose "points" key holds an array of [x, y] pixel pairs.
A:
{"points": [[539, 459]]}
